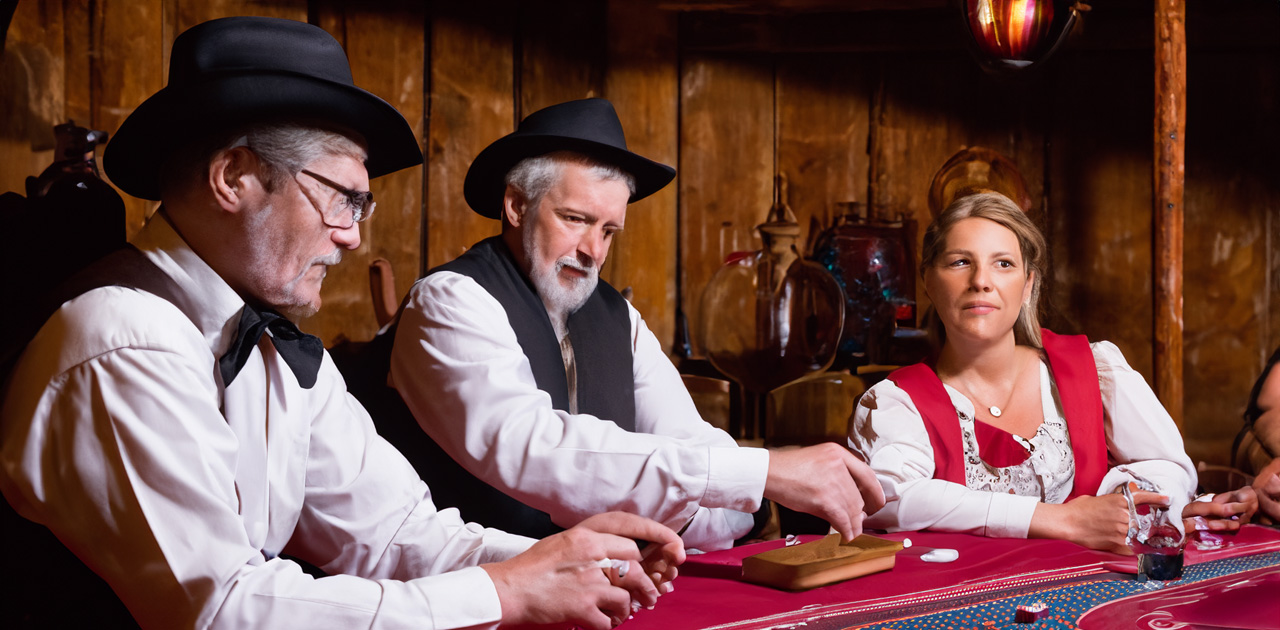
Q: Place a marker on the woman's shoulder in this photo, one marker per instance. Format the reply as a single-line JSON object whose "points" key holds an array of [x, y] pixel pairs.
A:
{"points": [[884, 397], [1108, 356], [885, 414], [1105, 353]]}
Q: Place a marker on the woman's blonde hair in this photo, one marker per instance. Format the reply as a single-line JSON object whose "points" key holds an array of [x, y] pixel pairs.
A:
{"points": [[996, 207]]}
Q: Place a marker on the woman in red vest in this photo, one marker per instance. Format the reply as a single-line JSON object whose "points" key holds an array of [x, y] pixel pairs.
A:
{"points": [[1011, 430]]}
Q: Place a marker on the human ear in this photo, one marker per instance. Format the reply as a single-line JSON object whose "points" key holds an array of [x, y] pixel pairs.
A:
{"points": [[233, 177], [1026, 288], [513, 206]]}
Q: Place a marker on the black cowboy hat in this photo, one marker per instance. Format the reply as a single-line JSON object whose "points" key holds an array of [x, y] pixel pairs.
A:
{"points": [[240, 70], [589, 126]]}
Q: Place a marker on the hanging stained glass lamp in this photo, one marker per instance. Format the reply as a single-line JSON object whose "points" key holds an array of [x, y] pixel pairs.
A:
{"points": [[1017, 34]]}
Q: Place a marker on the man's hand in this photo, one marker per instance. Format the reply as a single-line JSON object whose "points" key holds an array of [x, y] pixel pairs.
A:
{"points": [[559, 579], [1267, 487], [827, 481], [1218, 512], [1095, 522]]}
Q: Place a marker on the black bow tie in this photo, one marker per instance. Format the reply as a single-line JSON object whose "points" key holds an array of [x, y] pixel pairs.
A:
{"points": [[302, 352]]}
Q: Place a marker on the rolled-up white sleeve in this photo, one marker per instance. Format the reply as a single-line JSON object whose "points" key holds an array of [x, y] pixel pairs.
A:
{"points": [[889, 433], [460, 369], [1142, 439]]}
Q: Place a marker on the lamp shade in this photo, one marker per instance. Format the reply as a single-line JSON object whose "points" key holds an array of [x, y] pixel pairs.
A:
{"points": [[1015, 34]]}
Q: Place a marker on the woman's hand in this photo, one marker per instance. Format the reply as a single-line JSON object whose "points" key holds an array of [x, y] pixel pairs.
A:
{"points": [[1267, 487], [1218, 512], [1095, 522]]}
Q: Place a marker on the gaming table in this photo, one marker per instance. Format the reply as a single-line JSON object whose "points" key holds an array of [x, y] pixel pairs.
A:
{"points": [[1235, 586]]}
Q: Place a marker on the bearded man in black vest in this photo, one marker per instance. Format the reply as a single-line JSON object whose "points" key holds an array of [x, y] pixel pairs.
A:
{"points": [[551, 398]]}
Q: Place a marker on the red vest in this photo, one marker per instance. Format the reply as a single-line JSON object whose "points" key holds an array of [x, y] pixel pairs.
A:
{"points": [[1076, 374]]}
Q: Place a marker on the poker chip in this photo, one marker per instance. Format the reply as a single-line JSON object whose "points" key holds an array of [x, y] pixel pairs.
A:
{"points": [[1029, 613]]}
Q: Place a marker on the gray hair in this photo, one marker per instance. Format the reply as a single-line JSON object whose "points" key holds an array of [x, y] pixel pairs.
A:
{"points": [[532, 177], [283, 148], [996, 207]]}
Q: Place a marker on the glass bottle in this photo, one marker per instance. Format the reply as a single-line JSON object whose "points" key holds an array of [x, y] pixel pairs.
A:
{"points": [[771, 317]]}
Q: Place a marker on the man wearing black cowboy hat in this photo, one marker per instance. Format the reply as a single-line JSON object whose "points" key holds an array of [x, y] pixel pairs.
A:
{"points": [[174, 430], [545, 384]]}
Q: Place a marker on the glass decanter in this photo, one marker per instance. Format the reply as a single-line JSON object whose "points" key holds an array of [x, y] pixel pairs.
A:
{"points": [[771, 317]]}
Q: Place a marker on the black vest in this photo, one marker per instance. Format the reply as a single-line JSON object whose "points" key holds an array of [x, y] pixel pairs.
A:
{"points": [[600, 332], [601, 335]]}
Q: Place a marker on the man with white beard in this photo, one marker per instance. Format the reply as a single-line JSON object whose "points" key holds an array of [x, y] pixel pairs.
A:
{"points": [[544, 387]]}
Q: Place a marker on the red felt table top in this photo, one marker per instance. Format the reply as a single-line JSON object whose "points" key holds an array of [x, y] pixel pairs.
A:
{"points": [[709, 591]]}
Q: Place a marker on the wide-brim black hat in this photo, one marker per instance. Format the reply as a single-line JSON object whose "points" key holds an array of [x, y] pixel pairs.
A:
{"points": [[245, 70], [589, 126]]}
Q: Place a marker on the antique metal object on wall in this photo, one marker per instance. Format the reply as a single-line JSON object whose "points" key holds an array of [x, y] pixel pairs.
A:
{"points": [[977, 169], [771, 317]]}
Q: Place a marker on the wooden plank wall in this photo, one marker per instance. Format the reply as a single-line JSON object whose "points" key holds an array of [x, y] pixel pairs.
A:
{"points": [[830, 100]]}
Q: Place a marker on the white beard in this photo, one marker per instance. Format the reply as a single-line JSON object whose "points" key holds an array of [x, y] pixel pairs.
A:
{"points": [[559, 300]]}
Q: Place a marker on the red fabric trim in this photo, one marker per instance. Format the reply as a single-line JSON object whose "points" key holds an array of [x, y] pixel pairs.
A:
{"points": [[940, 420], [997, 446], [1076, 374]]}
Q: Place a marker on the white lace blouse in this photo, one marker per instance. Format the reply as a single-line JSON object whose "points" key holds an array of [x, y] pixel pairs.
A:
{"points": [[1142, 444], [1050, 468]]}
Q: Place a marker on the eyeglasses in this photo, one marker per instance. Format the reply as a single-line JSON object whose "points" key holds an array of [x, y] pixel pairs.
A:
{"points": [[356, 206]]}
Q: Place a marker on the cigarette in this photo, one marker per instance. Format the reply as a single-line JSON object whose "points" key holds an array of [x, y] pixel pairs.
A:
{"points": [[609, 563]]}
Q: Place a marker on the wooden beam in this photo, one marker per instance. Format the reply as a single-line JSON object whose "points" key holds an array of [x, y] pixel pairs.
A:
{"points": [[386, 50], [643, 81], [1116, 25], [33, 96], [472, 103], [823, 113], [125, 65], [884, 31], [773, 7], [561, 48], [1169, 176], [726, 167]]}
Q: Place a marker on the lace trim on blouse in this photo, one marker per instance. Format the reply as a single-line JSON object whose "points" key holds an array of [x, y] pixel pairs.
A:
{"points": [[1049, 471]]}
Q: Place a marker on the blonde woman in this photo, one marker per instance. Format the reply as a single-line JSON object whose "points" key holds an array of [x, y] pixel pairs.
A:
{"points": [[1011, 430]]}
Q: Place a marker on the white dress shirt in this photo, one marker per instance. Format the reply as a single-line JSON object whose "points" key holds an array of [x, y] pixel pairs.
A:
{"points": [[118, 435], [888, 432], [460, 369]]}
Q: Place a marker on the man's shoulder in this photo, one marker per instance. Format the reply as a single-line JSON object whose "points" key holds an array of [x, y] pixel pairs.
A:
{"points": [[443, 302], [480, 257], [113, 318], [446, 287]]}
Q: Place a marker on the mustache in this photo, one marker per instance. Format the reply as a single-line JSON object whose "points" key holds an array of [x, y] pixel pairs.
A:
{"points": [[574, 263], [330, 259]]}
